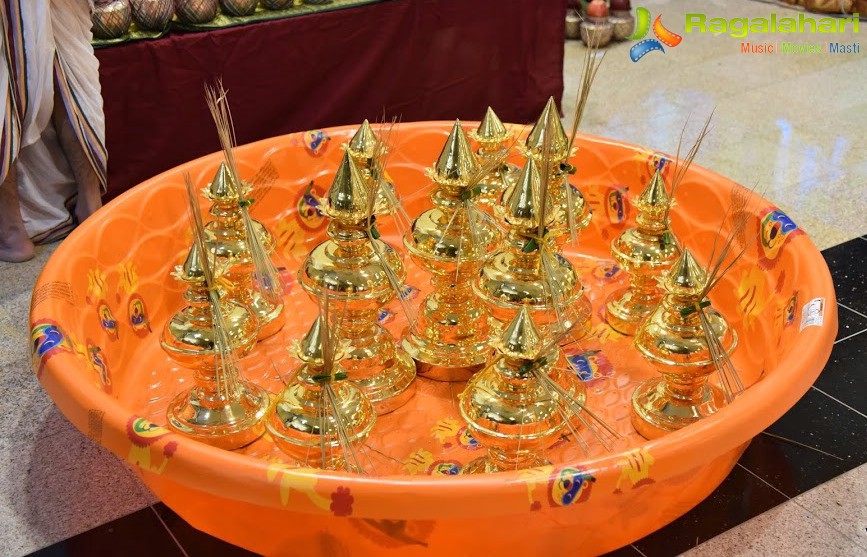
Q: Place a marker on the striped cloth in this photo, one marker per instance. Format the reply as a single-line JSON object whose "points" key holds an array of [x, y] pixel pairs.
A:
{"points": [[48, 58]]}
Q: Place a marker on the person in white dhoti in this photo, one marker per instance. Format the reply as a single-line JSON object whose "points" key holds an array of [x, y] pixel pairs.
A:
{"points": [[52, 139]]}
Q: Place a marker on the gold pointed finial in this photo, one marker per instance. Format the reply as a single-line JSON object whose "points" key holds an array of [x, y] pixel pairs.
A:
{"points": [[347, 197], [548, 123], [222, 186], [654, 195], [456, 162], [364, 142], [686, 278], [523, 205], [521, 338], [310, 347], [491, 129], [192, 268]]}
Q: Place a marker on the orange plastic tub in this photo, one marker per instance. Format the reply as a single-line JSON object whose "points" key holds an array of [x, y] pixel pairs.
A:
{"points": [[103, 297]]}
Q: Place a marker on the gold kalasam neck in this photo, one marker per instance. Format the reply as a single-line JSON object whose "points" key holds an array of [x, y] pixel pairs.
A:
{"points": [[686, 278], [348, 196], [364, 143], [521, 339], [457, 163], [549, 123], [491, 129]]}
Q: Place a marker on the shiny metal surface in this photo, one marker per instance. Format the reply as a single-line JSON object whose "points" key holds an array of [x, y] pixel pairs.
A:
{"points": [[366, 151], [675, 343], [188, 337], [111, 20], [226, 412], [226, 236], [305, 423], [508, 410], [514, 278], [646, 251], [450, 339], [152, 15], [492, 137], [196, 11], [238, 7], [353, 269]]}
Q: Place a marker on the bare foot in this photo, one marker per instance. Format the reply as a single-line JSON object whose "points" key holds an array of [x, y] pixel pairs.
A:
{"points": [[16, 253], [15, 244]]}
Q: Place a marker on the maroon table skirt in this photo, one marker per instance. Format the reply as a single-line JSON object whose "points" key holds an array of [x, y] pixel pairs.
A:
{"points": [[414, 59]]}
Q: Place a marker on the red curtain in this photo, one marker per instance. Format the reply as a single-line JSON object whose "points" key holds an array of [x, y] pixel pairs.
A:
{"points": [[416, 59]]}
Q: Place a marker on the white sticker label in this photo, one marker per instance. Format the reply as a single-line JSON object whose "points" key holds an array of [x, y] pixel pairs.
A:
{"points": [[813, 313]]}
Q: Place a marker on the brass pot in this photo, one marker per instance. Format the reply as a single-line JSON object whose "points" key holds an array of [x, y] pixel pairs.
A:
{"points": [[196, 11], [573, 26], [598, 34], [624, 25], [276, 4], [111, 19], [238, 8], [152, 15]]}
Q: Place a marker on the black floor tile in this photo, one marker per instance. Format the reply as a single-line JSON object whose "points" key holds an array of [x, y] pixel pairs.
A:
{"points": [[819, 422], [138, 534], [847, 264], [195, 542], [627, 551], [849, 322], [845, 376], [739, 498]]}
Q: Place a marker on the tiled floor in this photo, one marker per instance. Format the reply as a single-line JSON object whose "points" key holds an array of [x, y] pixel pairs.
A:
{"points": [[796, 124]]}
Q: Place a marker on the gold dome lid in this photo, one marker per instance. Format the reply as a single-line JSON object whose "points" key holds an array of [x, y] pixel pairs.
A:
{"points": [[686, 278], [347, 197], [364, 143], [524, 204], [549, 123], [491, 129], [457, 162], [521, 339]]}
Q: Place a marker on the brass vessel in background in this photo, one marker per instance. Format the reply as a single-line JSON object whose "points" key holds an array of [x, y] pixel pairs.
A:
{"points": [[320, 414], [221, 409], [506, 407], [646, 251], [673, 340], [449, 340], [351, 266], [226, 238]]}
